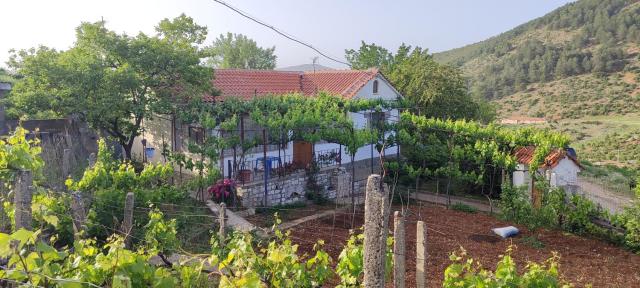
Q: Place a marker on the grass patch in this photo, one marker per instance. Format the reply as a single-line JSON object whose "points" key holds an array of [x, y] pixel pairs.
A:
{"points": [[532, 241], [464, 208]]}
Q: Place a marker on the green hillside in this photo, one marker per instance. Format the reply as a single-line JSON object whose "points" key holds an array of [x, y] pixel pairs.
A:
{"points": [[577, 66], [585, 37]]}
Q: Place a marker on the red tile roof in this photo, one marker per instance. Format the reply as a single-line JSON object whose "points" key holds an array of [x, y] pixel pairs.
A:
{"points": [[524, 155], [246, 84], [340, 82], [249, 83]]}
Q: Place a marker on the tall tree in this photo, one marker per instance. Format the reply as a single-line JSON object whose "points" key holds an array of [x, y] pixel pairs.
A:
{"points": [[239, 51], [115, 81], [434, 89], [369, 56]]}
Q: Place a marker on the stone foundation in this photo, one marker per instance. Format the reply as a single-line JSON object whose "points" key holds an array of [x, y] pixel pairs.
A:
{"points": [[335, 182]]}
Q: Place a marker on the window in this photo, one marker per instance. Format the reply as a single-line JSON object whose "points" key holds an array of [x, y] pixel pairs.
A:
{"points": [[196, 134], [375, 86], [376, 120]]}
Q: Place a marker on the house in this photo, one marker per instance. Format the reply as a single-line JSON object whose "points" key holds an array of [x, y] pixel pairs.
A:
{"points": [[515, 120], [560, 169], [248, 84]]}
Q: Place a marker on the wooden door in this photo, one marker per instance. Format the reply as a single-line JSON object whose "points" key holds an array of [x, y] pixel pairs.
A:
{"points": [[302, 154]]}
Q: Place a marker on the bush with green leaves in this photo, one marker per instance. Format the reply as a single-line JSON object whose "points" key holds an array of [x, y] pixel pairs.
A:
{"points": [[107, 184], [629, 220], [33, 262], [572, 213], [350, 267], [467, 272]]}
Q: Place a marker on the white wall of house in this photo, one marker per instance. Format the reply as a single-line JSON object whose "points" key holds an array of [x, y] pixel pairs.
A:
{"points": [[565, 173], [156, 131], [521, 177]]}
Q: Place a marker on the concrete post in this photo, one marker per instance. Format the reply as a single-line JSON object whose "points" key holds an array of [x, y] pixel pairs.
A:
{"points": [[421, 254], [66, 163], [5, 223], [221, 219], [127, 224], [79, 215], [22, 199], [398, 250], [92, 160], [375, 234]]}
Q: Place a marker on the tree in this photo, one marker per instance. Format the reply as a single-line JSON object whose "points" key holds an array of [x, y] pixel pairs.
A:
{"points": [[437, 90], [239, 51], [369, 56], [434, 89], [114, 81]]}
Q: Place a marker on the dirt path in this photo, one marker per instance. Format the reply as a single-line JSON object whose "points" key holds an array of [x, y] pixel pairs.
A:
{"points": [[609, 200], [443, 200]]}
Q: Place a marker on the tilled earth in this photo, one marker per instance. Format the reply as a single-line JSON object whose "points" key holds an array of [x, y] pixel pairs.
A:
{"points": [[583, 260]]}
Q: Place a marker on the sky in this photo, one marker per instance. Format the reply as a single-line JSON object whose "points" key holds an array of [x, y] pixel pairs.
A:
{"points": [[330, 25]]}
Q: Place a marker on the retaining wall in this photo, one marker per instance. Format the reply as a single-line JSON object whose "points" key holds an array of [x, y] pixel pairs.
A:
{"points": [[334, 181]]}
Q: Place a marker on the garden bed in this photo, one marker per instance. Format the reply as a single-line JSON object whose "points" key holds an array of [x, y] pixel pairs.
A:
{"points": [[583, 260]]}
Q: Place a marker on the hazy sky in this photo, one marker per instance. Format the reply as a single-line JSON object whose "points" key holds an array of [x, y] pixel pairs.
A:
{"points": [[330, 25]]}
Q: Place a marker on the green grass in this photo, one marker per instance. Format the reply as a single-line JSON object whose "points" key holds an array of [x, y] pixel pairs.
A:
{"points": [[532, 241], [464, 208]]}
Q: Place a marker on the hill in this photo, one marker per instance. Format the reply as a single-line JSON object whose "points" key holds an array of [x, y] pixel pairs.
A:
{"points": [[577, 63], [585, 37]]}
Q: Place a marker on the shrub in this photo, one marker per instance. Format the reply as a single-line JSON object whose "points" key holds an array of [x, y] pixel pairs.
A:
{"points": [[466, 272]]}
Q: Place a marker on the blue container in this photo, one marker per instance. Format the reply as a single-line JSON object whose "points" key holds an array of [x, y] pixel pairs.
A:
{"points": [[149, 152]]}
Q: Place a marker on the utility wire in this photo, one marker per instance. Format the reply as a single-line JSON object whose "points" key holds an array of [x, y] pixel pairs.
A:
{"points": [[284, 34]]}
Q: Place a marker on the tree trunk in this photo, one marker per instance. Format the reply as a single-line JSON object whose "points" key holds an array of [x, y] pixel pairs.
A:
{"points": [[127, 147]]}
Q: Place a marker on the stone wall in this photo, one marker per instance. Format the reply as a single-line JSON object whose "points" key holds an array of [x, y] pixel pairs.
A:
{"points": [[335, 182], [56, 136]]}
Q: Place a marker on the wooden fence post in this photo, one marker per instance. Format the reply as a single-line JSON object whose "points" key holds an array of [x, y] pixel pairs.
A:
{"points": [[375, 234], [398, 250], [221, 219], [22, 199], [79, 215], [421, 255], [127, 224]]}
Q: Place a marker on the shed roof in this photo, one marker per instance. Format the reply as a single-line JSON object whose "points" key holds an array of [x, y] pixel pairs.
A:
{"points": [[524, 155]]}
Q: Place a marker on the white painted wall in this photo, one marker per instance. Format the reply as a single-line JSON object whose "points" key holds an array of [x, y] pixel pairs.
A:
{"points": [[563, 174], [566, 173], [521, 177]]}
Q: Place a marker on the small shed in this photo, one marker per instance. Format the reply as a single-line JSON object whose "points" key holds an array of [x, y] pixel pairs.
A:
{"points": [[560, 167]]}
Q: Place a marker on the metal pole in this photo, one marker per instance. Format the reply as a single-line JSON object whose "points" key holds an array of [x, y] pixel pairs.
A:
{"points": [[264, 164]]}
